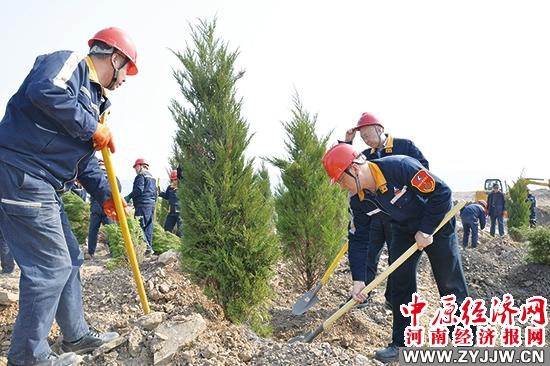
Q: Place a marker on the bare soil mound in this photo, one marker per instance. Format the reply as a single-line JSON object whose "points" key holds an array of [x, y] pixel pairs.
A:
{"points": [[495, 267]]}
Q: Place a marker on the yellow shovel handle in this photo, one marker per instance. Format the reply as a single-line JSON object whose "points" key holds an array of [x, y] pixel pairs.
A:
{"points": [[334, 263], [374, 283], [121, 214]]}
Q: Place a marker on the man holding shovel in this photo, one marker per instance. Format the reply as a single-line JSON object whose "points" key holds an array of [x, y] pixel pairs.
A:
{"points": [[47, 140], [416, 201]]}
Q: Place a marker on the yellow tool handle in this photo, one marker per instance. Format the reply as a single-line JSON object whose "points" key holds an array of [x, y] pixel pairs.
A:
{"points": [[121, 214], [334, 263], [374, 283]]}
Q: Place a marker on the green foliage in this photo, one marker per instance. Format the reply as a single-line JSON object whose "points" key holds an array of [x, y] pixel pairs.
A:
{"points": [[517, 206], [78, 213], [517, 234], [539, 245], [229, 243], [113, 235], [312, 213], [163, 240]]}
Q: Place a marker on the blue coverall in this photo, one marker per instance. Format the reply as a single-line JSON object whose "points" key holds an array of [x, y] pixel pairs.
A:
{"points": [[144, 195], [496, 206], [173, 218], [532, 210], [471, 216], [45, 144]]}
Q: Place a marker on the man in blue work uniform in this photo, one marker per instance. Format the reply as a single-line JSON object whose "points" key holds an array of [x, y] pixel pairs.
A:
{"points": [[473, 215], [532, 209], [47, 141], [497, 207], [381, 144], [97, 216], [416, 201], [171, 194], [144, 195]]}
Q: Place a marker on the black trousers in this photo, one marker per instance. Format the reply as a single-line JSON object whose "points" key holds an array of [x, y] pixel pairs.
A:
{"points": [[446, 265]]}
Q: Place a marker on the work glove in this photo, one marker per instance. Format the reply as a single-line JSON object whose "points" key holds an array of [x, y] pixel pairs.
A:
{"points": [[103, 137], [110, 211]]}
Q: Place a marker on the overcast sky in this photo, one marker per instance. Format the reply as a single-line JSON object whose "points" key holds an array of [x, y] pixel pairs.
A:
{"points": [[467, 81]]}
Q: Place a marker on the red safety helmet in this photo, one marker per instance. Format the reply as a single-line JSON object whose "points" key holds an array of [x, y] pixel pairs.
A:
{"points": [[141, 161], [337, 159], [174, 175], [367, 119], [483, 203], [119, 39]]}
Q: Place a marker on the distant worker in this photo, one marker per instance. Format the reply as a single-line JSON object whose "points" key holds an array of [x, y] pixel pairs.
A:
{"points": [[47, 140], [532, 210], [473, 215], [97, 217], [144, 195], [497, 208], [6, 259], [171, 194], [381, 144]]}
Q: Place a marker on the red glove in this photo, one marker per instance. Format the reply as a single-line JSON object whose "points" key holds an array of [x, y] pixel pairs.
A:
{"points": [[110, 211], [103, 137]]}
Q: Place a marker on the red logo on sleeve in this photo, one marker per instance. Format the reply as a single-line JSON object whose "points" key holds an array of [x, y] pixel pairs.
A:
{"points": [[423, 181]]}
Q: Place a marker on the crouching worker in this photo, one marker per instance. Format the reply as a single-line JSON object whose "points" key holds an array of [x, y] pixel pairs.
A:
{"points": [[416, 202], [47, 140], [473, 215]]}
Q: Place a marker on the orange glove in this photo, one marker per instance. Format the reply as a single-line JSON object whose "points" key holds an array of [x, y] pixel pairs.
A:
{"points": [[103, 137], [110, 211]]}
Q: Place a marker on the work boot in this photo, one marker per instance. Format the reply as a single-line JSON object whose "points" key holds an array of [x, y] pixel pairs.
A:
{"points": [[388, 354], [89, 342], [149, 252], [66, 359]]}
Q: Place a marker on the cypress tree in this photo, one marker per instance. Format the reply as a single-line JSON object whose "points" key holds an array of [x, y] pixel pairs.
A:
{"points": [[517, 206], [229, 243], [311, 213]]}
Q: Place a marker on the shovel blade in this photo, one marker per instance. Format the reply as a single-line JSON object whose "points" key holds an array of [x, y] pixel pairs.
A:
{"points": [[304, 303]]}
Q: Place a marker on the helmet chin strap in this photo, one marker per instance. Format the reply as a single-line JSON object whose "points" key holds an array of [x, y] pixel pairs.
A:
{"points": [[113, 79], [360, 192], [115, 73], [380, 140]]}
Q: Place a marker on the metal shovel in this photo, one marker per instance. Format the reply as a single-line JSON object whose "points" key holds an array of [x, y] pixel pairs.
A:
{"points": [[310, 298], [311, 335]]}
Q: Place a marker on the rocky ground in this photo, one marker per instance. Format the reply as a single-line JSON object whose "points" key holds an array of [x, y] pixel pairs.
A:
{"points": [[186, 328]]}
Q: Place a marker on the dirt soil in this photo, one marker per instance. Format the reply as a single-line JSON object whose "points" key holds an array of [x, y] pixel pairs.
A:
{"points": [[495, 267]]}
